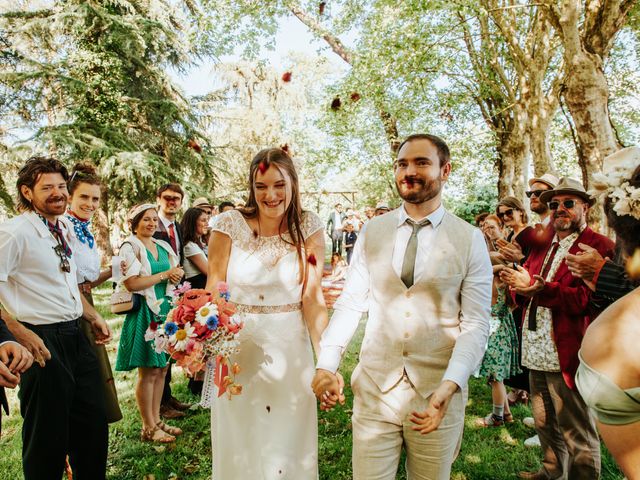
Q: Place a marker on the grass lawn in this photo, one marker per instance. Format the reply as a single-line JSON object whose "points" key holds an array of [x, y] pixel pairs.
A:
{"points": [[487, 454]]}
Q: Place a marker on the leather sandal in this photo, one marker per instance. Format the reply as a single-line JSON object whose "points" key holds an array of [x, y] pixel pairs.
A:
{"points": [[169, 429], [508, 417], [150, 435]]}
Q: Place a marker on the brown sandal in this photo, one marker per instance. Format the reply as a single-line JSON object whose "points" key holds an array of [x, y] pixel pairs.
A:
{"points": [[169, 429], [508, 417], [149, 435]]}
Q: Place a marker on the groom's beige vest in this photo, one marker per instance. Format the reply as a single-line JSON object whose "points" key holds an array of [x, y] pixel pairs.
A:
{"points": [[415, 329]]}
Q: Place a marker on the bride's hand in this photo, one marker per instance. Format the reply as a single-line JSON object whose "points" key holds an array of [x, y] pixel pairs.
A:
{"points": [[327, 388]]}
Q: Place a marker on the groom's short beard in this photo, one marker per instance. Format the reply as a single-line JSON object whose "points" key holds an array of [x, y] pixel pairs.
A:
{"points": [[430, 189]]}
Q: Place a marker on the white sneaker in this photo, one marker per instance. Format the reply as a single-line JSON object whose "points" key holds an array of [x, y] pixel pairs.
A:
{"points": [[532, 442], [529, 422]]}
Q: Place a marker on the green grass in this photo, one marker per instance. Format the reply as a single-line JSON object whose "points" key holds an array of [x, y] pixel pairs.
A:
{"points": [[486, 454]]}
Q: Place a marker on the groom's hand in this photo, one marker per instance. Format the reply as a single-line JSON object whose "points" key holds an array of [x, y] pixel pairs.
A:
{"points": [[430, 419], [328, 388]]}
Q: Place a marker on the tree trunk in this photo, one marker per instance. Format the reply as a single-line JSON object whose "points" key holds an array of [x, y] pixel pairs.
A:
{"points": [[587, 94], [513, 162]]}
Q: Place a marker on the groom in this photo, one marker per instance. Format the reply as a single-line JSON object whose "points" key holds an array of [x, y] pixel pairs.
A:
{"points": [[424, 277]]}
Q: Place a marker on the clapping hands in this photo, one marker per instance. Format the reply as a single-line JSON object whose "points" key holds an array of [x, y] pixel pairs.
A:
{"points": [[520, 281], [328, 388]]}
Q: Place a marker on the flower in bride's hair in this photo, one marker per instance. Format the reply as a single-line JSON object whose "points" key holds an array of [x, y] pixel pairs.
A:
{"points": [[312, 259], [262, 166]]}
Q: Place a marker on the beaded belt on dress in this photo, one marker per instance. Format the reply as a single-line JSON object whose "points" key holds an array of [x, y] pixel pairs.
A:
{"points": [[290, 307]]}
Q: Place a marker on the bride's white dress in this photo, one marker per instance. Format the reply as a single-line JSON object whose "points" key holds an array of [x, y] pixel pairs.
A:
{"points": [[270, 431]]}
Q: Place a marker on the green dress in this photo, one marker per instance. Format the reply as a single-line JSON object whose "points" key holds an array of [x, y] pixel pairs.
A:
{"points": [[502, 358], [134, 351]]}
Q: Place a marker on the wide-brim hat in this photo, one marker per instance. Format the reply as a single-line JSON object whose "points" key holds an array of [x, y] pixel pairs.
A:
{"points": [[548, 179], [382, 206], [568, 186], [201, 202]]}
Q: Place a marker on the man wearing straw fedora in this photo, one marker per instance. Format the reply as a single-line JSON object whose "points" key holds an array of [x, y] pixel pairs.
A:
{"points": [[557, 310]]}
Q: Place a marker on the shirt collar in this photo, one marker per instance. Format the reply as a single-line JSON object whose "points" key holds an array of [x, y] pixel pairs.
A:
{"points": [[434, 217], [165, 221], [570, 238], [39, 225]]}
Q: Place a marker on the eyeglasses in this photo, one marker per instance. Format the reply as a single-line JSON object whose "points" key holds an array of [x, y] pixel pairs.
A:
{"points": [[534, 193], [65, 266], [567, 204], [505, 213]]}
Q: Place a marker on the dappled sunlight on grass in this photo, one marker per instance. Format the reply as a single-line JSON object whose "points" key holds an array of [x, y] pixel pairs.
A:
{"points": [[472, 459]]}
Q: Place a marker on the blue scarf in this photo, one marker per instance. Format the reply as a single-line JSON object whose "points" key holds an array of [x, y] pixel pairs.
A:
{"points": [[81, 229]]}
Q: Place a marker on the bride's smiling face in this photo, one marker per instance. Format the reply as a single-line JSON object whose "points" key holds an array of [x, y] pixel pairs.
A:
{"points": [[273, 191]]}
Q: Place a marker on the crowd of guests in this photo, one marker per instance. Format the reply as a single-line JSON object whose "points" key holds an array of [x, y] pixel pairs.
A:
{"points": [[564, 303]]}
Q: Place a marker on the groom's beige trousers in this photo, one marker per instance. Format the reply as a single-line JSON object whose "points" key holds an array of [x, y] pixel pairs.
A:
{"points": [[381, 426]]}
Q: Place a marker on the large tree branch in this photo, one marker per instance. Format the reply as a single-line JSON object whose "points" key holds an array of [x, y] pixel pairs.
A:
{"points": [[334, 42], [603, 20]]}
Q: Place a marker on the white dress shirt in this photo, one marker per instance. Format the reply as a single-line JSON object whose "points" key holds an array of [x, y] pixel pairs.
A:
{"points": [[33, 287], [354, 300]]}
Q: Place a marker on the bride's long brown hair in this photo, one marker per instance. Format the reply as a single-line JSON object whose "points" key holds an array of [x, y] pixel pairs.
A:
{"points": [[293, 214]]}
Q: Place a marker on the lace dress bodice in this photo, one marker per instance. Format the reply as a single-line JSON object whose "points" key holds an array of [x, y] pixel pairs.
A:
{"points": [[263, 271]]}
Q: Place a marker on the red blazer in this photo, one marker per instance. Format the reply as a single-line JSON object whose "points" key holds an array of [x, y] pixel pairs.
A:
{"points": [[569, 300]]}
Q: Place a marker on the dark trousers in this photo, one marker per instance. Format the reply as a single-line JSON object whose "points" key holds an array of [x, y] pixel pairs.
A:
{"points": [[566, 429], [166, 391], [349, 253], [63, 408]]}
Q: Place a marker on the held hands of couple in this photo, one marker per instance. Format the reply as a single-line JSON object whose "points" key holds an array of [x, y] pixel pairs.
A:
{"points": [[328, 389], [430, 419], [14, 360]]}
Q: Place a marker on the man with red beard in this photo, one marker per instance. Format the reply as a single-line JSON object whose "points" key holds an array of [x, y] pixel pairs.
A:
{"points": [[557, 310], [61, 399], [424, 276]]}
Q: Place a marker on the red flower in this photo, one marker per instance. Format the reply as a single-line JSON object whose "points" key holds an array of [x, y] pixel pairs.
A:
{"points": [[153, 326], [286, 77], [355, 96], [312, 260], [193, 144]]}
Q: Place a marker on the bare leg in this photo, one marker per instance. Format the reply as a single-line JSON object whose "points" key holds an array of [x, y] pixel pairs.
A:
{"points": [[144, 396]]}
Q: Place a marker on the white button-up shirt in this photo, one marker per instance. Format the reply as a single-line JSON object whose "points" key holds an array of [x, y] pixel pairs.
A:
{"points": [[354, 300], [33, 287]]}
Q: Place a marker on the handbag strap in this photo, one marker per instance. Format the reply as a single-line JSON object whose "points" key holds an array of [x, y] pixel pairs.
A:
{"points": [[135, 248]]}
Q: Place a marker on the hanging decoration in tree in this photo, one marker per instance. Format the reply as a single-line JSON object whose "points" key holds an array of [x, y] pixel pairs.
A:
{"points": [[336, 104], [286, 77], [355, 96], [321, 6]]}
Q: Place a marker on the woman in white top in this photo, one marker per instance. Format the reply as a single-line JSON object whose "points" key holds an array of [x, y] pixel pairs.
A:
{"points": [[85, 191], [194, 228]]}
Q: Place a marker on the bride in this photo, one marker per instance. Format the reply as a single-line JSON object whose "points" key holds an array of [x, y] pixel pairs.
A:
{"points": [[271, 254]]}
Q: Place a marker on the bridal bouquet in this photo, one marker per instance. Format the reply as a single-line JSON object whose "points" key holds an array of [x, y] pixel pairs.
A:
{"points": [[200, 328]]}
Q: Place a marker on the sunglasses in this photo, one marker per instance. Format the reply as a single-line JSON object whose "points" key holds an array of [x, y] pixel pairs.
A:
{"points": [[534, 193], [65, 266], [567, 204], [505, 213], [171, 199]]}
